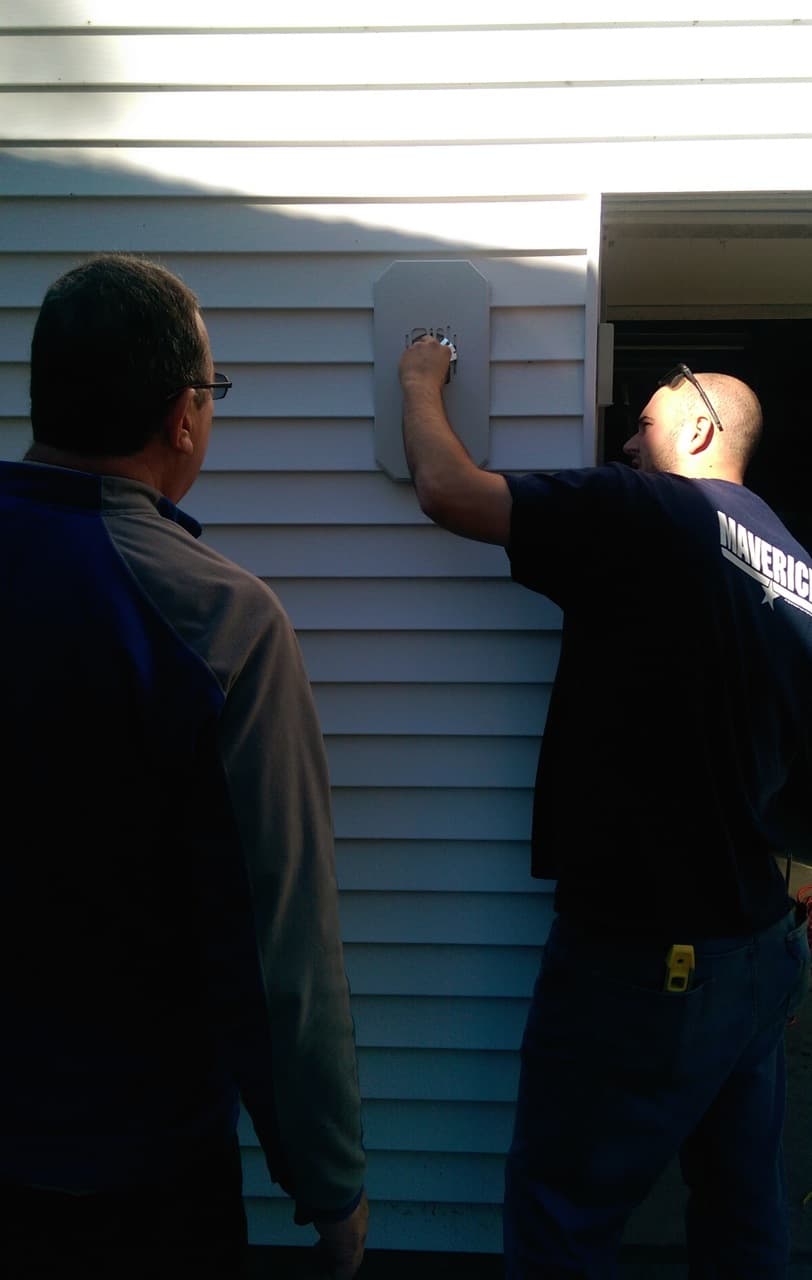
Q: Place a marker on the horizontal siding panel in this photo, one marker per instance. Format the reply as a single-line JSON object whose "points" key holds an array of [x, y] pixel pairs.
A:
{"points": [[516, 709], [557, 387], [552, 387], [318, 444], [535, 444], [447, 1177], [454, 1228], [538, 443], [317, 391], [500, 173], [431, 1126], [283, 499], [451, 1074], [318, 550], [402, 116], [91, 223], [441, 655], [440, 969], [482, 1128], [16, 328], [424, 58], [425, 762], [290, 280], [285, 335], [432, 813], [487, 919], [439, 1022], [304, 390], [322, 180], [486, 866], [258, 181], [323, 604], [308, 337], [85, 15], [536, 333], [15, 437], [530, 443]]}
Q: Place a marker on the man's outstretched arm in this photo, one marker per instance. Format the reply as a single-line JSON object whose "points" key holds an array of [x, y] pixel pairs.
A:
{"points": [[451, 489]]}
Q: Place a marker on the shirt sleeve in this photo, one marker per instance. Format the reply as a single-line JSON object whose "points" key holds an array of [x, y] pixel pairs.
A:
{"points": [[568, 528], [307, 1114]]}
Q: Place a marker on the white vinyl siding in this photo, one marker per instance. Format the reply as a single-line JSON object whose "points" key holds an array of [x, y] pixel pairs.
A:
{"points": [[280, 158]]}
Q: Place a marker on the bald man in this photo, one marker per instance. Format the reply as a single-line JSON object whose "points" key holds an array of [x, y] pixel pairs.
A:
{"points": [[675, 750]]}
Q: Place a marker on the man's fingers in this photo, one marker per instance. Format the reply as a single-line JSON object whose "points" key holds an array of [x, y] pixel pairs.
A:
{"points": [[426, 358]]}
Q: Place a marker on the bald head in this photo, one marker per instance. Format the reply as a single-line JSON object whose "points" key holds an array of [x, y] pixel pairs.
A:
{"points": [[739, 412], [677, 432]]}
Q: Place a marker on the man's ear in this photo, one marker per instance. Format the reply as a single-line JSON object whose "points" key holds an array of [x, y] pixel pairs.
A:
{"points": [[701, 434], [177, 423]]}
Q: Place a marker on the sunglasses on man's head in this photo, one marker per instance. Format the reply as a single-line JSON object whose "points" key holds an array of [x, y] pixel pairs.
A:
{"points": [[219, 388], [681, 373]]}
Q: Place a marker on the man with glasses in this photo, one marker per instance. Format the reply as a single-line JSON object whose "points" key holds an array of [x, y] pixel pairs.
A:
{"points": [[675, 761], [168, 919]]}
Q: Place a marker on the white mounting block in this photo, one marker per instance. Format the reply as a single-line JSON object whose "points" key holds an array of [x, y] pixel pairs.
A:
{"points": [[451, 299]]}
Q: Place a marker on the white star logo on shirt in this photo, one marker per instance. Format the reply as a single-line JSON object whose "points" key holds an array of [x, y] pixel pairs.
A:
{"points": [[770, 595]]}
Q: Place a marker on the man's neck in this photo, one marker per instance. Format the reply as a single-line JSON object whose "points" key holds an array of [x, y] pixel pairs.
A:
{"points": [[131, 467], [706, 471]]}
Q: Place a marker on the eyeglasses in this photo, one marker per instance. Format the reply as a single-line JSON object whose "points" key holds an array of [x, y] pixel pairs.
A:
{"points": [[680, 373], [219, 388]]}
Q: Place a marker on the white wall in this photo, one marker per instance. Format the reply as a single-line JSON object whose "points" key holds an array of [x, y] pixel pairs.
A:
{"points": [[280, 169]]}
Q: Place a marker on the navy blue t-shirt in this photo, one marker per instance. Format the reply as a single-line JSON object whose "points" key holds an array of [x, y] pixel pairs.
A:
{"points": [[676, 754]]}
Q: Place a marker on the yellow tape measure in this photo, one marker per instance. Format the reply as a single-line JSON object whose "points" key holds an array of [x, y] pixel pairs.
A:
{"points": [[679, 965]]}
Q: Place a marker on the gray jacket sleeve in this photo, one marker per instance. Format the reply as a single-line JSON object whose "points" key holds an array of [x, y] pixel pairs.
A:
{"points": [[273, 754]]}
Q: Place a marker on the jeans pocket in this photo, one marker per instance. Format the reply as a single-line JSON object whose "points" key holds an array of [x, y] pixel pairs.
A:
{"points": [[616, 1027]]}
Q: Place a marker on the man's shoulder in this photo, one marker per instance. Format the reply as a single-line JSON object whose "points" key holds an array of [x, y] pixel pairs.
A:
{"points": [[588, 495], [608, 478], [217, 607], [167, 547], [211, 570]]}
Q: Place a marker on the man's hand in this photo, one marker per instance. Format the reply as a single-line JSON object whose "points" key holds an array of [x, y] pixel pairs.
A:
{"points": [[426, 361], [342, 1243]]}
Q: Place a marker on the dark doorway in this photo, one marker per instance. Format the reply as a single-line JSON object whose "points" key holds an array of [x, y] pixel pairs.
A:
{"points": [[773, 356]]}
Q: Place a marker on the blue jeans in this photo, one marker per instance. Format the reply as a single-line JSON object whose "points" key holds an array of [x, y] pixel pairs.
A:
{"points": [[618, 1076]]}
